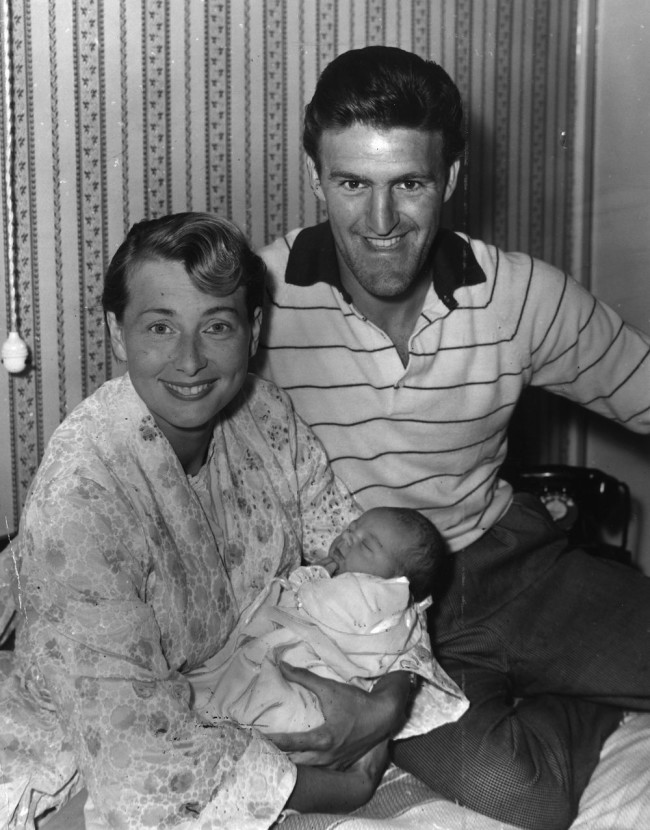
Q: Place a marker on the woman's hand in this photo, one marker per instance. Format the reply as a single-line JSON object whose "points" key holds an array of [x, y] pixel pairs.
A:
{"points": [[355, 721]]}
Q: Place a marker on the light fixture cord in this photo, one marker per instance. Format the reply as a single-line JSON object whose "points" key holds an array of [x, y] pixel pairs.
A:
{"points": [[9, 161]]}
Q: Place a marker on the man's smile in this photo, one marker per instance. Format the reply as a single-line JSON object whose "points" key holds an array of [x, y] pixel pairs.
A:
{"points": [[384, 244]]}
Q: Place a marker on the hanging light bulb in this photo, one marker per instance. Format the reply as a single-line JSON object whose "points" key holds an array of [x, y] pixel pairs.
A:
{"points": [[14, 353], [14, 349]]}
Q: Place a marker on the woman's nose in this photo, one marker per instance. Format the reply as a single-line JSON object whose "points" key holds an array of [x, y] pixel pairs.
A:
{"points": [[383, 215], [189, 356]]}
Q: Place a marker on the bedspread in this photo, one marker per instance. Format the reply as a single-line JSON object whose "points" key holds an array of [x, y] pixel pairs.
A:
{"points": [[617, 798]]}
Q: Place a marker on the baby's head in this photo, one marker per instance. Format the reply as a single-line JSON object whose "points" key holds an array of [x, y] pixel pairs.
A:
{"points": [[389, 542]]}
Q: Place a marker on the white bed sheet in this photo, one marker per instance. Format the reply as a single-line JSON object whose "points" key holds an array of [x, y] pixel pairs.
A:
{"points": [[617, 798]]}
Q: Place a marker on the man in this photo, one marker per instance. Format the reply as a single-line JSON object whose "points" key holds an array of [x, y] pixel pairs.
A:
{"points": [[406, 347]]}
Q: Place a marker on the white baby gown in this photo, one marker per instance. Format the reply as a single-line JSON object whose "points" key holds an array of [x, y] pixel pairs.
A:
{"points": [[352, 628]]}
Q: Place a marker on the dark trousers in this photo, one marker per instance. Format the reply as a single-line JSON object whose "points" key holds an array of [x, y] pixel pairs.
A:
{"points": [[550, 645]]}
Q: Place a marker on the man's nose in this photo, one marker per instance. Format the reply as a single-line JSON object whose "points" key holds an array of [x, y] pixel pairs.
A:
{"points": [[382, 214]]}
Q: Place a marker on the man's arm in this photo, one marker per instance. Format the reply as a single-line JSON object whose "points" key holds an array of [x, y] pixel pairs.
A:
{"points": [[320, 790], [582, 350], [355, 721]]}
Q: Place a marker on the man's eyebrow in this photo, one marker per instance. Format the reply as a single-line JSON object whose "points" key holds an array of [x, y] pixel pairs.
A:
{"points": [[347, 174], [427, 175], [170, 312]]}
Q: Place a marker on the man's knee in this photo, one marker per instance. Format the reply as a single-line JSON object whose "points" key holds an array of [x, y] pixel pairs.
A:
{"points": [[511, 780], [534, 801]]}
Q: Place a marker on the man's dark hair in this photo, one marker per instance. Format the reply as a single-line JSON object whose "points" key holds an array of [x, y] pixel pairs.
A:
{"points": [[423, 555], [215, 253], [385, 87]]}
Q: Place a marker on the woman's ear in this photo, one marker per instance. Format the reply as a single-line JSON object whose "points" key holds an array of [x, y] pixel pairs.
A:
{"points": [[256, 326], [117, 336]]}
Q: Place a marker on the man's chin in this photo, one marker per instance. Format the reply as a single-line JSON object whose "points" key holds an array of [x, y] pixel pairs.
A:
{"points": [[389, 283]]}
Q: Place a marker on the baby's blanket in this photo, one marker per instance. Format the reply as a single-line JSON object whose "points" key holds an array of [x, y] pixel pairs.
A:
{"points": [[353, 628]]}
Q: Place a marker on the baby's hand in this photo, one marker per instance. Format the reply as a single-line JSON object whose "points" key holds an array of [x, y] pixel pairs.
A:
{"points": [[329, 564]]}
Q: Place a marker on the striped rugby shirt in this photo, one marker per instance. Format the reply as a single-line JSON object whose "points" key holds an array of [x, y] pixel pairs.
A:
{"points": [[432, 435]]}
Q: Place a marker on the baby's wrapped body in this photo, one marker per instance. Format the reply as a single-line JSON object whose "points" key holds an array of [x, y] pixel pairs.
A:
{"points": [[353, 628]]}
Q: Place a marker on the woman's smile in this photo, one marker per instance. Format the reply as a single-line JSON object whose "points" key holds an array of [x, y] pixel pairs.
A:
{"points": [[189, 391]]}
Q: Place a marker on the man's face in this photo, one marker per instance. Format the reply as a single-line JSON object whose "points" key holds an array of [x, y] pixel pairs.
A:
{"points": [[384, 191]]}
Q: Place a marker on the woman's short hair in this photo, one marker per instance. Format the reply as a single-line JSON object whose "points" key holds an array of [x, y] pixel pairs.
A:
{"points": [[385, 87], [215, 253]]}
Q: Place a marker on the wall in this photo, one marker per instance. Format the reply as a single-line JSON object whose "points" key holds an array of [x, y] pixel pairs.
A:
{"points": [[126, 109], [620, 268]]}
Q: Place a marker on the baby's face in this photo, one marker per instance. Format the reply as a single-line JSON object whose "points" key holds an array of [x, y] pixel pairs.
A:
{"points": [[369, 545]]}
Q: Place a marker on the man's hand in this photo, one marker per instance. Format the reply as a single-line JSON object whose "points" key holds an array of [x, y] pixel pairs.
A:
{"points": [[371, 766], [321, 790], [355, 721]]}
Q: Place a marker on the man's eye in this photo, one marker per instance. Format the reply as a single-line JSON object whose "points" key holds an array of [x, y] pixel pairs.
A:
{"points": [[218, 328], [410, 184], [352, 184], [159, 328]]}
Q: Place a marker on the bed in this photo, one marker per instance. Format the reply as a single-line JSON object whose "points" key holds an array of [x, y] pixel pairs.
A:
{"points": [[617, 798]]}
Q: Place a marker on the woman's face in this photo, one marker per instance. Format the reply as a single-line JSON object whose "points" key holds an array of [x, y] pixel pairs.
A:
{"points": [[187, 352]]}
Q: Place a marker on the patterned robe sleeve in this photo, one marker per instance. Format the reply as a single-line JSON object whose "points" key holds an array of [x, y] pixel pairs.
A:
{"points": [[326, 506], [93, 654]]}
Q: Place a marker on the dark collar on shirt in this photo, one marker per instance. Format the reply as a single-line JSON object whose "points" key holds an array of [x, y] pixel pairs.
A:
{"points": [[313, 259]]}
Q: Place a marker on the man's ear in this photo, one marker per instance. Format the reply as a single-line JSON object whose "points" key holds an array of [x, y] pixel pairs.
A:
{"points": [[256, 326], [452, 180], [117, 336], [314, 179]]}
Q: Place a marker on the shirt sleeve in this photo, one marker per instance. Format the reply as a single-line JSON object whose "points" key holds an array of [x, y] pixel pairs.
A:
{"points": [[93, 653], [584, 351]]}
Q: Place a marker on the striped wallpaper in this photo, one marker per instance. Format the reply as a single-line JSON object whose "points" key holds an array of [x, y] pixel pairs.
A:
{"points": [[126, 109]]}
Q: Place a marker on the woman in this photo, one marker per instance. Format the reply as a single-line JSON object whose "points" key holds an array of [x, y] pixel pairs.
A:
{"points": [[165, 502]]}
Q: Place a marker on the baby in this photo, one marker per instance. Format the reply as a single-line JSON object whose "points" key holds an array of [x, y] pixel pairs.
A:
{"points": [[353, 616], [389, 542]]}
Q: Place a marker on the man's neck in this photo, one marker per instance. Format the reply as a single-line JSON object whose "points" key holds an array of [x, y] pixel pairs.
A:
{"points": [[396, 316]]}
